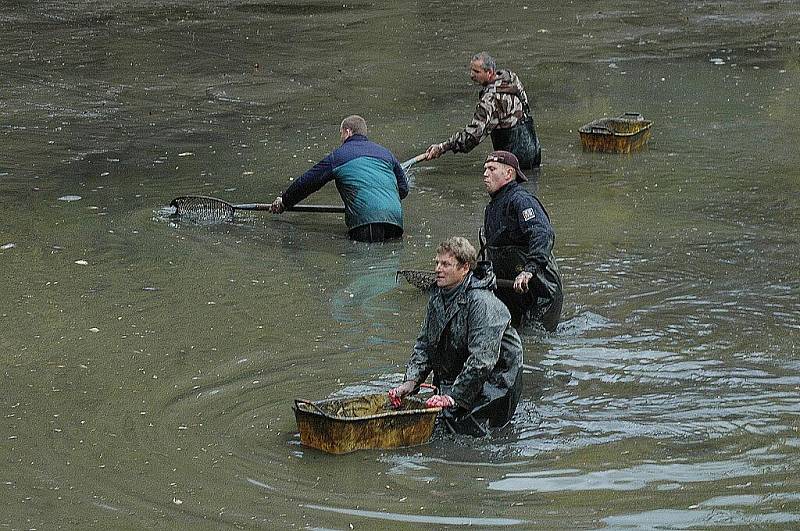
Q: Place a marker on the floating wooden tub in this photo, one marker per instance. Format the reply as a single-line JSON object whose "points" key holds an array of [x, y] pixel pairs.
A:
{"points": [[343, 425], [624, 134]]}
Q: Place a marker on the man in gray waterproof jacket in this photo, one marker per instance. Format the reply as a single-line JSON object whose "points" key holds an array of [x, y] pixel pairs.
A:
{"points": [[468, 344]]}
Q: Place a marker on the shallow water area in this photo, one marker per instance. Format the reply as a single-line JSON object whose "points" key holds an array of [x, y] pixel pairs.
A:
{"points": [[150, 363]]}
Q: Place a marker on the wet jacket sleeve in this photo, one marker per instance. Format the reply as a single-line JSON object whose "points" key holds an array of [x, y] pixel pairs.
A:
{"points": [[402, 179], [308, 183], [486, 324], [483, 122], [537, 233], [419, 367]]}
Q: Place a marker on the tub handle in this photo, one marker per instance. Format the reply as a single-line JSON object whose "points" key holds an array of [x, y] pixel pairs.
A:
{"points": [[600, 129], [299, 401], [429, 386]]}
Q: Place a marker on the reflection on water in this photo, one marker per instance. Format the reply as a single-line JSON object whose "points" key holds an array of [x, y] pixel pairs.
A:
{"points": [[366, 297], [419, 519], [666, 476], [150, 364]]}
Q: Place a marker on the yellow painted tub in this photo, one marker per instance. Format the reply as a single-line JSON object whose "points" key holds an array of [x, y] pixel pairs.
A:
{"points": [[343, 425], [627, 133]]}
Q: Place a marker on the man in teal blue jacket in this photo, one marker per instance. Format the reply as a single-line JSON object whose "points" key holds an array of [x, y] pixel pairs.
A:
{"points": [[369, 179]]}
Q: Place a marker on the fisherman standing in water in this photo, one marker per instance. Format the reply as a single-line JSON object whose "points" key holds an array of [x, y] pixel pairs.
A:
{"points": [[503, 111], [519, 243], [469, 345], [370, 181]]}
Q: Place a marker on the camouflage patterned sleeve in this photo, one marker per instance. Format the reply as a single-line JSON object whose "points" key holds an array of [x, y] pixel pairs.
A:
{"points": [[483, 122], [523, 97]]}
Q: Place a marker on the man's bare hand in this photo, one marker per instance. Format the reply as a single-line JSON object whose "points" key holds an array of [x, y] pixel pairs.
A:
{"points": [[396, 395], [521, 282], [277, 206], [442, 401], [434, 151]]}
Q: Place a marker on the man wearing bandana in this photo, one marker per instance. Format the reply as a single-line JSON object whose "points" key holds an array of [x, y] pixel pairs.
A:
{"points": [[519, 242]]}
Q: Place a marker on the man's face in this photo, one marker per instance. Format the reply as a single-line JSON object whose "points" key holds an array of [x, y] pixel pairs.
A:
{"points": [[449, 271], [478, 75], [344, 134], [496, 175]]}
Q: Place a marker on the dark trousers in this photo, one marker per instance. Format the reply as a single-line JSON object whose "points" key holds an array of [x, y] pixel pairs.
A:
{"points": [[375, 232], [521, 140], [527, 309], [492, 413]]}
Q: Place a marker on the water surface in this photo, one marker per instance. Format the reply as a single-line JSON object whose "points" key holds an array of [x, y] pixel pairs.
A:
{"points": [[150, 365]]}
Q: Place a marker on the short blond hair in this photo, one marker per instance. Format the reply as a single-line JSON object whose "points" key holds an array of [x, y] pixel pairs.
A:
{"points": [[356, 124], [459, 247]]}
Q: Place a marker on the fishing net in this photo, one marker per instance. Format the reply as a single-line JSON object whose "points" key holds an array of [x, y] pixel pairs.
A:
{"points": [[202, 208], [423, 280]]}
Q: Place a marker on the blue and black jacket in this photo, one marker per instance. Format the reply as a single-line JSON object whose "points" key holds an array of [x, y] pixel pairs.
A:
{"points": [[369, 179], [519, 237]]}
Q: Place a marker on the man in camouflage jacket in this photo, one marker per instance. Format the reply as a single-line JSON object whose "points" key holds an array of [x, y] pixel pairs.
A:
{"points": [[468, 344], [503, 112]]}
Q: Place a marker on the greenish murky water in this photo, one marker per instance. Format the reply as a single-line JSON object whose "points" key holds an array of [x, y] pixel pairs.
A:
{"points": [[149, 366]]}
